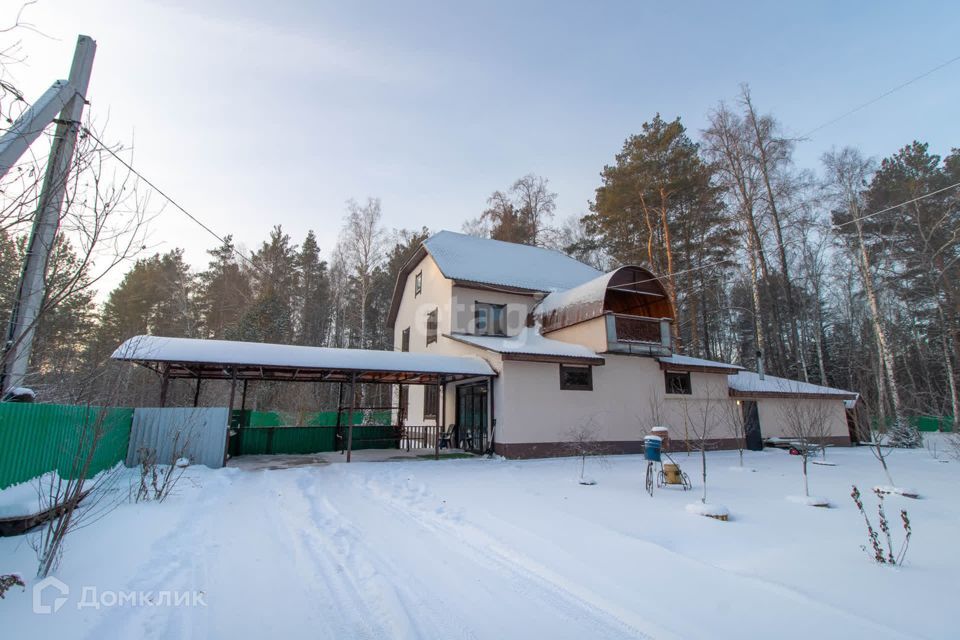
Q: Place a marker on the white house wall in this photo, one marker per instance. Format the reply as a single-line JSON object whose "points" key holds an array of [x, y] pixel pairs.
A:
{"points": [[536, 416]]}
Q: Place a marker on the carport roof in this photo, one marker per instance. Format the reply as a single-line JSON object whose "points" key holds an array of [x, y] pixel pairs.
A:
{"points": [[224, 359]]}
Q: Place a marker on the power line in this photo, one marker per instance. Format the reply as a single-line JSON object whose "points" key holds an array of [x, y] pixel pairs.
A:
{"points": [[170, 199], [896, 206], [881, 96]]}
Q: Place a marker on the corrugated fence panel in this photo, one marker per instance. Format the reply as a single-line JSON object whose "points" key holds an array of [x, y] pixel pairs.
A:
{"points": [[303, 439], [37, 438], [196, 433]]}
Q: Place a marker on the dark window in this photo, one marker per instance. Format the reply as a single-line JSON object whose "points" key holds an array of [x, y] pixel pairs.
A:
{"points": [[678, 382], [576, 378], [405, 340], [489, 319], [417, 284], [430, 398], [432, 326]]}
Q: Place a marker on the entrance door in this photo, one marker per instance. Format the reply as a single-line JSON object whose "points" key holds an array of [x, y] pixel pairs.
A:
{"points": [[751, 416], [472, 417]]}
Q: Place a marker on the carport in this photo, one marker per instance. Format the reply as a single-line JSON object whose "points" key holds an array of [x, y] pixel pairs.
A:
{"points": [[244, 362]]}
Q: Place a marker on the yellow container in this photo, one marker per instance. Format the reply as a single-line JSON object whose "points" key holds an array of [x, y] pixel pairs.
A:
{"points": [[671, 474]]}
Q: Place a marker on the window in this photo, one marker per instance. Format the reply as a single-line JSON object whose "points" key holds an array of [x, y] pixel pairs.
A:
{"points": [[430, 401], [489, 319], [432, 326], [405, 340], [678, 382], [573, 378], [417, 284]]}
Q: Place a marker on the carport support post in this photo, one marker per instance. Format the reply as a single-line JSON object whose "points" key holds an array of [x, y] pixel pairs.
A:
{"points": [[353, 406], [441, 414], [233, 393], [164, 384], [196, 394]]}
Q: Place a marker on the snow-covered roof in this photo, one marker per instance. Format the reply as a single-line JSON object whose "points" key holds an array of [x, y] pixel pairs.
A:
{"points": [[697, 363], [746, 383], [529, 342], [253, 356], [463, 257], [590, 292]]}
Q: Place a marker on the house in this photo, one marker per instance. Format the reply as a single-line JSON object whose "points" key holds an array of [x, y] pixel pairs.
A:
{"points": [[572, 348]]}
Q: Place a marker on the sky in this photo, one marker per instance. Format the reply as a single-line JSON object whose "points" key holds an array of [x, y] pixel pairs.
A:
{"points": [[252, 114]]}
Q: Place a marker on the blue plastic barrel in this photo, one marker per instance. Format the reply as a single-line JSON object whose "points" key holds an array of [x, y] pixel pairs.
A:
{"points": [[651, 448]]}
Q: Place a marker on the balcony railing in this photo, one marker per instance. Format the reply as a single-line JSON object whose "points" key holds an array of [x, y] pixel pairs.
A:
{"points": [[638, 334]]}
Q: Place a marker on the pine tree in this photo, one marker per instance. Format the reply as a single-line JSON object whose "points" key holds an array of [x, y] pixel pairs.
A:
{"points": [[224, 291], [275, 279], [313, 295], [658, 206]]}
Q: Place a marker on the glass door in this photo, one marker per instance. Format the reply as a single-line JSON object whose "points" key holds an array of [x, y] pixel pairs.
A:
{"points": [[472, 417]]}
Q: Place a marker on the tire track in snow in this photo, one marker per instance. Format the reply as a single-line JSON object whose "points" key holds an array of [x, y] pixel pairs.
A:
{"points": [[527, 577]]}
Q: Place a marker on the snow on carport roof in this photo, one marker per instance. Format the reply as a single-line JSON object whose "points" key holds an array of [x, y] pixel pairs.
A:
{"points": [[468, 258], [191, 358], [749, 384]]}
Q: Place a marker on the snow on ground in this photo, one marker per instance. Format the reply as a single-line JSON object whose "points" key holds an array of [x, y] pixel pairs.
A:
{"points": [[482, 548]]}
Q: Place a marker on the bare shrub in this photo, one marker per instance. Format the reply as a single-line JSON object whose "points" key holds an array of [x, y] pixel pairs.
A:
{"points": [[75, 500], [584, 442], [807, 424], [883, 553]]}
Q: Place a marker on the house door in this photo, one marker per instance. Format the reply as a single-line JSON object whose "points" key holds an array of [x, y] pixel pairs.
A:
{"points": [[751, 416], [472, 417]]}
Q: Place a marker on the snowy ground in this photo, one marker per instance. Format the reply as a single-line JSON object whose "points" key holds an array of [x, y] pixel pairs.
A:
{"points": [[503, 549]]}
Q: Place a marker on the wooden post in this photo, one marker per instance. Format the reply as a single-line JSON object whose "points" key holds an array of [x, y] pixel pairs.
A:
{"points": [[442, 416], [243, 396], [491, 421], [233, 393], [440, 419], [339, 431], [353, 406], [196, 394], [164, 384]]}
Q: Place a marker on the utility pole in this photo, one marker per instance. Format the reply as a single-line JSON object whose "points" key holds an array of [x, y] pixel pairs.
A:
{"points": [[31, 288]]}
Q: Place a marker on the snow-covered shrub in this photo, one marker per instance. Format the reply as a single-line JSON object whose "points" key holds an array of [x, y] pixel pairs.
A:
{"points": [[883, 554], [9, 581]]}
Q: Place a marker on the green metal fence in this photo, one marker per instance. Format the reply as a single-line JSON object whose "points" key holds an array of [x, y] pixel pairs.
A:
{"points": [[37, 438], [933, 423], [267, 432], [928, 424]]}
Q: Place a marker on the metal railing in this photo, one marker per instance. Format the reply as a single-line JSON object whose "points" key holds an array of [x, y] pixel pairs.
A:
{"points": [[638, 334]]}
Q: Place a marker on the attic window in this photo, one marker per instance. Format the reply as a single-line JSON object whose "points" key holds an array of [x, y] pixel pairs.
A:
{"points": [[576, 378], [489, 319], [432, 327], [678, 382], [417, 284]]}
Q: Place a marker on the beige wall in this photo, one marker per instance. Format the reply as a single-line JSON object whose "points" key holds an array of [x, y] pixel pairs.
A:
{"points": [[627, 393], [592, 333], [772, 420]]}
